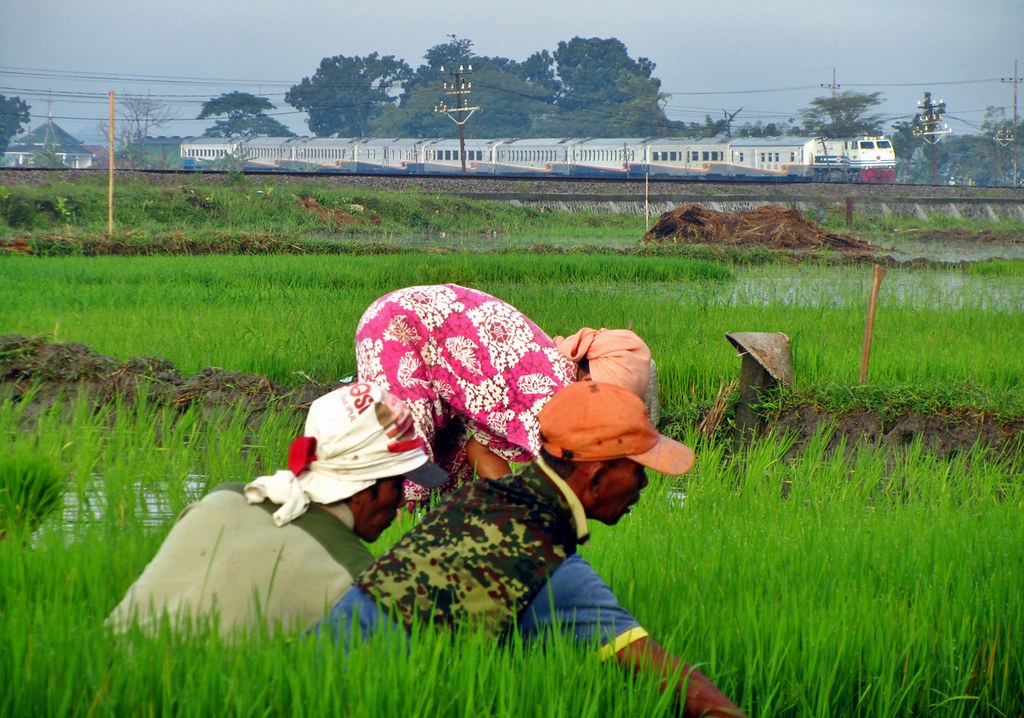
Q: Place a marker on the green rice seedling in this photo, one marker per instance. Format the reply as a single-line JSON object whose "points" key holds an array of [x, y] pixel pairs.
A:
{"points": [[840, 582], [266, 316], [31, 488]]}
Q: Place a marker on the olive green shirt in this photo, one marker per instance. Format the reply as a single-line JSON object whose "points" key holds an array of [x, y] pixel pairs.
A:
{"points": [[225, 558]]}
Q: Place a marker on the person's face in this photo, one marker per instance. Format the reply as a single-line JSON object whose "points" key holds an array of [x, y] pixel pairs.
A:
{"points": [[616, 487], [378, 510]]}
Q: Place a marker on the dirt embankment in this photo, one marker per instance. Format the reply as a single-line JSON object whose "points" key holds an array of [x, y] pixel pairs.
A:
{"points": [[39, 373]]}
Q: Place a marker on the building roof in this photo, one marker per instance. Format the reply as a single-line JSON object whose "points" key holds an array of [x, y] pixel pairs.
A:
{"points": [[48, 136]]}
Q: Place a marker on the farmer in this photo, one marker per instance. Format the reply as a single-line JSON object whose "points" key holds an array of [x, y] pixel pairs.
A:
{"points": [[475, 371], [286, 561], [483, 556]]}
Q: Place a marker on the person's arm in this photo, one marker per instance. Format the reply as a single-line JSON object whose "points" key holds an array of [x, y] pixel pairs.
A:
{"points": [[485, 462], [700, 698]]}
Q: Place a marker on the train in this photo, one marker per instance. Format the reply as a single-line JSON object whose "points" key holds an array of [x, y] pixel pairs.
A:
{"points": [[868, 159]]}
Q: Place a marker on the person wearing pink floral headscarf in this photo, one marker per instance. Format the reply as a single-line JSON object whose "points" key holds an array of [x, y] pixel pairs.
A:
{"points": [[474, 371]]}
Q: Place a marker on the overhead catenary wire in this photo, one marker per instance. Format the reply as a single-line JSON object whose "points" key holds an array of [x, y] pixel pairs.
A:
{"points": [[276, 89]]}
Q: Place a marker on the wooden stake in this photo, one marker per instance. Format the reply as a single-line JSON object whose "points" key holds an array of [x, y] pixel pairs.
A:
{"points": [[876, 282], [110, 189]]}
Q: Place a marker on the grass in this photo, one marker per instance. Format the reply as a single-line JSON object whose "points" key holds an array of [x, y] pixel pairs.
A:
{"points": [[942, 337], [837, 584], [247, 209], [846, 581], [31, 488]]}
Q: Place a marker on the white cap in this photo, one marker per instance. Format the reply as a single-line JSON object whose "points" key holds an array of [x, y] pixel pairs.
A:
{"points": [[354, 436]]}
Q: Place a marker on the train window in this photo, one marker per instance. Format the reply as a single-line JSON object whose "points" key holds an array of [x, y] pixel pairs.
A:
{"points": [[762, 157], [741, 156], [705, 155], [673, 156], [884, 144], [867, 145]]}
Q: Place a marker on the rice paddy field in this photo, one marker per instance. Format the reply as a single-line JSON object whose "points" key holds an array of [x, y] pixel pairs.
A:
{"points": [[858, 581]]}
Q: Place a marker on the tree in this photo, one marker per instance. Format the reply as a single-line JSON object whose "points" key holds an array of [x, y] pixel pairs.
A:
{"points": [[909, 149], [605, 91], [999, 128], [347, 93], [414, 114], [245, 117], [47, 157], [13, 114], [843, 115], [136, 116], [759, 129]]}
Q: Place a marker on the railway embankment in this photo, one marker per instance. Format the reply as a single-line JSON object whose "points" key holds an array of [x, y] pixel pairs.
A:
{"points": [[635, 197]]}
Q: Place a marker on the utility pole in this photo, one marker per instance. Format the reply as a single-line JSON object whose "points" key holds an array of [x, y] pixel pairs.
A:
{"points": [[928, 127], [458, 87], [729, 117], [833, 86], [1015, 80]]}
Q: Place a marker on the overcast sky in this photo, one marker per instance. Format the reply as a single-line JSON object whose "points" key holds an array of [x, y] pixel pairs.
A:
{"points": [[770, 59]]}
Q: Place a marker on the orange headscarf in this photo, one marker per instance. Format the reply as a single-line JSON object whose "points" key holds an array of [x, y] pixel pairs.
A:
{"points": [[615, 356]]}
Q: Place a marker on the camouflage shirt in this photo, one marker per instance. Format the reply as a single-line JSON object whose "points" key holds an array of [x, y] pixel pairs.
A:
{"points": [[481, 555]]}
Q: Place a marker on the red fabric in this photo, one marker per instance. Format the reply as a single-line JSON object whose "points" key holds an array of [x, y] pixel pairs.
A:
{"points": [[301, 454]]}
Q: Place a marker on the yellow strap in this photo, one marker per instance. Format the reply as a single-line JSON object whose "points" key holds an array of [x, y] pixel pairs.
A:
{"points": [[631, 635]]}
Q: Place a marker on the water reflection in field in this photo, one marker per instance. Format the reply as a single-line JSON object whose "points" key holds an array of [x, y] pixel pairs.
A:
{"points": [[812, 287], [154, 507], [952, 250]]}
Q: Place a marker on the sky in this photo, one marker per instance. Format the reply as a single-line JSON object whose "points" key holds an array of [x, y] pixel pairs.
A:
{"points": [[765, 60]]}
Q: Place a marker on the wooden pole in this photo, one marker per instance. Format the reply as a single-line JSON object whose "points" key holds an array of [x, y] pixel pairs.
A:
{"points": [[647, 201], [876, 282], [110, 188]]}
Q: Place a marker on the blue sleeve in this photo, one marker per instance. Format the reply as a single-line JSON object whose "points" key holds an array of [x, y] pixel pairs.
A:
{"points": [[356, 617], [578, 603]]}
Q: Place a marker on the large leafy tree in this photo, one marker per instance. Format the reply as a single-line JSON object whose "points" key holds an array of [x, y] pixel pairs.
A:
{"points": [[415, 114], [346, 94], [510, 95], [605, 91], [843, 115], [13, 115], [242, 114]]}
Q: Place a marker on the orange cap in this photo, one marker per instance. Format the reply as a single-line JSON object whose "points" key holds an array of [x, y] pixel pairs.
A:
{"points": [[590, 421]]}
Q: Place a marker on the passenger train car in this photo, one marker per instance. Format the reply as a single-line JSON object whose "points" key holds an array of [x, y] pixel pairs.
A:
{"points": [[783, 159]]}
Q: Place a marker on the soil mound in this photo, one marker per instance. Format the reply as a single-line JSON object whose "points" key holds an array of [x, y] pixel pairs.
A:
{"points": [[335, 215], [770, 227], [36, 374]]}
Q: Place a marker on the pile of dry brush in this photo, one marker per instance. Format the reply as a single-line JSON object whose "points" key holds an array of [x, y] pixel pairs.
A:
{"points": [[771, 227]]}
